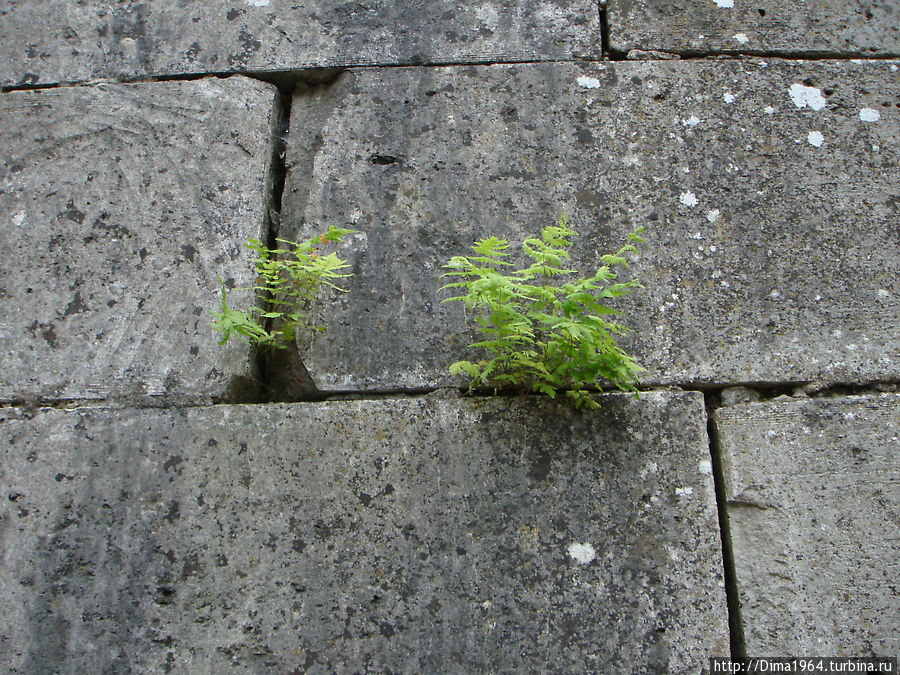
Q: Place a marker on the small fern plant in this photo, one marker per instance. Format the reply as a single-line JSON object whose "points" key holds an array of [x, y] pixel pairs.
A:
{"points": [[544, 329], [288, 280]]}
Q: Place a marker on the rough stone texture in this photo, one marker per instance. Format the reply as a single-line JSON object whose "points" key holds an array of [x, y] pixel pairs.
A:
{"points": [[772, 251], [814, 508], [119, 205], [59, 41], [803, 27], [406, 535]]}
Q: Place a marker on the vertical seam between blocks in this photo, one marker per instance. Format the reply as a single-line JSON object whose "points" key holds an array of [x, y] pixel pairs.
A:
{"points": [[732, 594]]}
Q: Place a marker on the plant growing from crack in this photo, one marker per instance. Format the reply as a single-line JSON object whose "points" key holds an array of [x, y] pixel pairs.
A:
{"points": [[542, 328], [288, 280]]}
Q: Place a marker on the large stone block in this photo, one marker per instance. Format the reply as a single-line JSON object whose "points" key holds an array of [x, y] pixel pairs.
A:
{"points": [[62, 41], [406, 535], [119, 206], [801, 28], [813, 505], [767, 191]]}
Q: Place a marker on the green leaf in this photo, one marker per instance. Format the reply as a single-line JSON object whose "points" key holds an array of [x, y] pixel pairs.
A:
{"points": [[543, 327], [289, 280]]}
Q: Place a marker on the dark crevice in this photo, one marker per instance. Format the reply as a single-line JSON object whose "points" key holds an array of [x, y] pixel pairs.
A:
{"points": [[271, 361], [299, 389], [852, 389], [283, 79], [787, 55], [293, 384], [290, 78], [38, 87], [766, 391], [608, 51], [383, 160], [604, 29], [732, 595], [28, 405]]}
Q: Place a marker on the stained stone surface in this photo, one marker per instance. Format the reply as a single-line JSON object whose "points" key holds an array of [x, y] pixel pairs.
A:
{"points": [[62, 41], [120, 204], [813, 503], [803, 27], [404, 535], [767, 191]]}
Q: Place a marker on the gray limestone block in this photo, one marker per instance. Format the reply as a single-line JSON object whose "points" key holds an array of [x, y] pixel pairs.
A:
{"points": [[813, 503], [767, 190], [801, 28], [61, 41], [120, 205], [400, 535]]}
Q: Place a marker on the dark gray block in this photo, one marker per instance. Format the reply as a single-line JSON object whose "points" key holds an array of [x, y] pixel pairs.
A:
{"points": [[62, 41], [410, 535], [804, 27], [767, 191], [120, 205], [812, 501]]}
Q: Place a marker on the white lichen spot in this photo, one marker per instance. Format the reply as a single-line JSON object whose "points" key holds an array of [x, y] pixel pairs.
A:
{"points": [[258, 3], [650, 467], [691, 121], [769, 110], [582, 553], [728, 97], [883, 294], [869, 115], [696, 235], [713, 215], [706, 467], [807, 97], [684, 492], [18, 219], [724, 4], [894, 69], [742, 38], [588, 82], [688, 198], [815, 139]]}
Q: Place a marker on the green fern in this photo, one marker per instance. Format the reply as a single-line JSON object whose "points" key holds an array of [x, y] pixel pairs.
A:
{"points": [[542, 328], [288, 280]]}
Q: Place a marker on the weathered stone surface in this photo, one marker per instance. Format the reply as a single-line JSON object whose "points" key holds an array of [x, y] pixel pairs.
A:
{"points": [[119, 206], [410, 535], [59, 41], [767, 190], [805, 27], [812, 500]]}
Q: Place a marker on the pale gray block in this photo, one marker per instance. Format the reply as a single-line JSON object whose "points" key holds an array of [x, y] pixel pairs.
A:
{"points": [[767, 190], [61, 41], [120, 205], [405, 535], [800, 28], [813, 503]]}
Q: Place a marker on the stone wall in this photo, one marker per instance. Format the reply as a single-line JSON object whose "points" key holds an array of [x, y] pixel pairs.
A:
{"points": [[172, 505]]}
